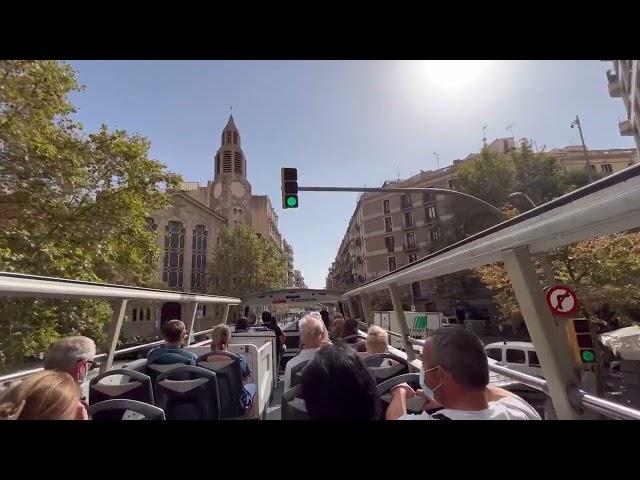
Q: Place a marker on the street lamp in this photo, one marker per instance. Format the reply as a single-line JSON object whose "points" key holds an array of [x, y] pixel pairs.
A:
{"points": [[576, 122], [523, 195]]}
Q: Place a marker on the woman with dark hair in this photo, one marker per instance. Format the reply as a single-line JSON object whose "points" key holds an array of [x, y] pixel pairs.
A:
{"points": [[350, 335], [336, 385], [269, 322], [242, 324]]}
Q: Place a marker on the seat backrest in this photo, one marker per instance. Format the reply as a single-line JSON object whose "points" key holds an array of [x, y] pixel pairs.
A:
{"points": [[296, 373], [195, 398], [293, 407], [373, 363], [229, 377], [106, 409], [120, 384]]}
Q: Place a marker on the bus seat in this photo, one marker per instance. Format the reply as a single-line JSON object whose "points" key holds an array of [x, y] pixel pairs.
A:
{"points": [[296, 374], [197, 398], [230, 384], [373, 363], [120, 384], [293, 407], [106, 409]]}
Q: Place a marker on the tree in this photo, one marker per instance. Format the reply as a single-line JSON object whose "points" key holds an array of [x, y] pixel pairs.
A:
{"points": [[244, 263], [72, 198], [539, 175], [489, 176]]}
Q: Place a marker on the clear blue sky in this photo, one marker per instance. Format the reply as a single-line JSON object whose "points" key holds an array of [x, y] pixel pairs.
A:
{"points": [[342, 122]]}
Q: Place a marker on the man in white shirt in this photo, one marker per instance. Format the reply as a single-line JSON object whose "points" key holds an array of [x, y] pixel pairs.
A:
{"points": [[313, 334], [454, 379]]}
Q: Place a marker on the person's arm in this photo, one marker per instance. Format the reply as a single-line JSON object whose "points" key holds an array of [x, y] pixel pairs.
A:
{"points": [[398, 406], [287, 376]]}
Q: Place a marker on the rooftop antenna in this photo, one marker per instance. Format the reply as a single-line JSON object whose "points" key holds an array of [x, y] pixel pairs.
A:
{"points": [[484, 134], [437, 159], [398, 173], [510, 128]]}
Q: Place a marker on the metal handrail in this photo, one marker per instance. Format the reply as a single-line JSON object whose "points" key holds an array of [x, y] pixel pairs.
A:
{"points": [[101, 356], [588, 401]]}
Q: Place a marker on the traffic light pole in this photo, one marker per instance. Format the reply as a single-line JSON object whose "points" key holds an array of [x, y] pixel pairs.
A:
{"points": [[439, 191]]}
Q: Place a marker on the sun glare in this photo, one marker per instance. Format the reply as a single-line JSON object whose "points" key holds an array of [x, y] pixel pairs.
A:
{"points": [[454, 73]]}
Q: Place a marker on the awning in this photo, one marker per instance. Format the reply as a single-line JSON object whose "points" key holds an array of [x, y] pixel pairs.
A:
{"points": [[624, 342]]}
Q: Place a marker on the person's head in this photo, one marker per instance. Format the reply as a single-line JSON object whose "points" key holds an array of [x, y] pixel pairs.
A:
{"points": [[336, 385], [266, 317], [73, 355], [454, 363], [220, 336], [174, 332], [350, 327], [252, 318], [312, 331], [242, 324], [336, 326], [377, 339], [325, 316], [46, 395]]}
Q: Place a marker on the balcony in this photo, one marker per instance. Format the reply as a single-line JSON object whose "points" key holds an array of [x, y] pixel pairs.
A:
{"points": [[410, 248], [626, 129], [408, 227], [615, 89]]}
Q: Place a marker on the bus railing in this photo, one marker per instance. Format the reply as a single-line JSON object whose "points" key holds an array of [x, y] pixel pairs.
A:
{"points": [[100, 356]]}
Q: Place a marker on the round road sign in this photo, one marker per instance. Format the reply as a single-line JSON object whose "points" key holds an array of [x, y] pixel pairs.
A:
{"points": [[562, 300]]}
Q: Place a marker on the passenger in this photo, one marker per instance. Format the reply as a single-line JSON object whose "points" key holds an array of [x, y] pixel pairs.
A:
{"points": [[174, 333], [73, 355], [336, 385], [455, 373], [350, 329], [252, 319], [378, 342], [269, 322], [220, 337], [325, 318], [312, 336], [242, 324], [336, 327], [46, 395]]}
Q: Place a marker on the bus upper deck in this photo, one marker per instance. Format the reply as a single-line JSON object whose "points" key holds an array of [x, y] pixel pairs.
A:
{"points": [[607, 206]]}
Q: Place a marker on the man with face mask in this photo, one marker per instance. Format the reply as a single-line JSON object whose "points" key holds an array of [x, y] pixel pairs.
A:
{"points": [[454, 379]]}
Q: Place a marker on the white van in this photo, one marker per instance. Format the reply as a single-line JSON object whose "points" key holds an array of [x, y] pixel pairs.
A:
{"points": [[520, 356]]}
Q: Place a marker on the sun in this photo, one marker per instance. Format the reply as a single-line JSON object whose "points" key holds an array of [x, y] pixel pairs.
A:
{"points": [[454, 73]]}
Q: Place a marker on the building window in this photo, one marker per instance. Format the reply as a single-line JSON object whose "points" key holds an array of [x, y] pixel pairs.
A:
{"points": [[434, 234], [405, 201], [239, 211], [199, 258], [431, 213], [173, 254], [134, 315], [237, 163], [148, 314], [392, 263], [389, 242], [235, 138], [408, 219], [452, 183], [411, 240], [412, 257], [388, 225], [386, 208], [606, 167], [217, 163], [228, 137], [222, 139], [415, 290], [226, 161]]}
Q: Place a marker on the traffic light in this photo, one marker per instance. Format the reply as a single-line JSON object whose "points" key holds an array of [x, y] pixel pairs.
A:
{"points": [[581, 340], [289, 187]]}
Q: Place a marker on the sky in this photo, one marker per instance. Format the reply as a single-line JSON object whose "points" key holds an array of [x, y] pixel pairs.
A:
{"points": [[342, 123]]}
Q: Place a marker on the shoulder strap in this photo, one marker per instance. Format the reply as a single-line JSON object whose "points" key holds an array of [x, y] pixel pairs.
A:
{"points": [[440, 416]]}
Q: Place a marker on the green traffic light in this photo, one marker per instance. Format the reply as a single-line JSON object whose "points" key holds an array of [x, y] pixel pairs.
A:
{"points": [[588, 356], [292, 202]]}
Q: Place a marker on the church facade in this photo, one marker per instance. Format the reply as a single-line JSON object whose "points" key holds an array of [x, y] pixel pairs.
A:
{"points": [[188, 231]]}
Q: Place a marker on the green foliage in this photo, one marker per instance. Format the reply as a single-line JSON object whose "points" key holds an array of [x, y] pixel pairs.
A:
{"points": [[78, 204], [489, 176], [245, 263]]}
